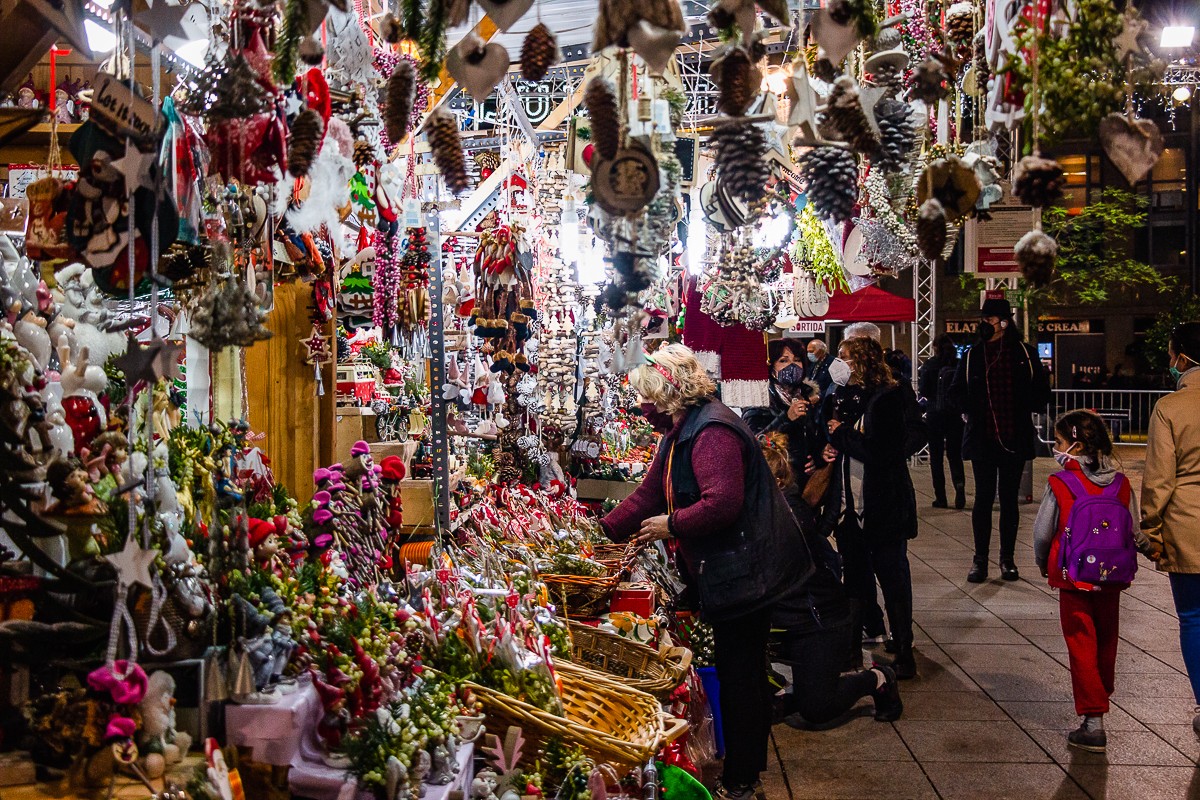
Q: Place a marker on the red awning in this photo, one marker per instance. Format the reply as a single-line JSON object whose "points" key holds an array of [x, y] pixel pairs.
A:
{"points": [[871, 304]]}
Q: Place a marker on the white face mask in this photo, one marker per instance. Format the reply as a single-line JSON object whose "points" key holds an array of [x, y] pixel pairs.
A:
{"points": [[1063, 456], [839, 372]]}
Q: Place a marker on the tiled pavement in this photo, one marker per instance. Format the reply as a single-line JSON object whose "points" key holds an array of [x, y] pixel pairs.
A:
{"points": [[988, 716]]}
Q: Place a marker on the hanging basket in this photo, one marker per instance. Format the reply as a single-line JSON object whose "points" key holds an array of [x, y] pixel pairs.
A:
{"points": [[613, 724], [657, 672], [581, 595]]}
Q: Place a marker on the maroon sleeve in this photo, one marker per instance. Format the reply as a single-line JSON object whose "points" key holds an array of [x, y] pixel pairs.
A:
{"points": [[719, 465], [648, 500]]}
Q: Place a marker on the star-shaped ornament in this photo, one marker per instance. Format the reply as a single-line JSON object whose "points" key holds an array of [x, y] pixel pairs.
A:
{"points": [[802, 117], [316, 348], [168, 358], [140, 362], [173, 23], [135, 166], [1127, 40], [868, 98], [66, 17], [132, 563]]}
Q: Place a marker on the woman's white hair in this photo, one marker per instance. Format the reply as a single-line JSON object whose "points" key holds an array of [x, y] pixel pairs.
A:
{"points": [[686, 385]]}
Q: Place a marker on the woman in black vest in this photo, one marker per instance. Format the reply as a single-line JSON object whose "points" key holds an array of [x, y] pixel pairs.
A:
{"points": [[880, 507], [1000, 385], [710, 491]]}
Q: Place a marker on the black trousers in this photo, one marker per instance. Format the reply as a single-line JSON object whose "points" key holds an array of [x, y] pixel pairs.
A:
{"points": [[945, 439], [740, 648], [820, 693], [867, 558], [996, 472]]}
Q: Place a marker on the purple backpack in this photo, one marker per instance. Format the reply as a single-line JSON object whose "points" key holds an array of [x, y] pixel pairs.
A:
{"points": [[1097, 545]]}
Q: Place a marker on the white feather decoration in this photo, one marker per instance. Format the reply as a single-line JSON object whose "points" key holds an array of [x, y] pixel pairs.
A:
{"points": [[329, 190]]}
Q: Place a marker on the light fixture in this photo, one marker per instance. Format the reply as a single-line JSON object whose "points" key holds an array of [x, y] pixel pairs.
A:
{"points": [[193, 52], [1177, 36], [1181, 94], [100, 39], [775, 79]]}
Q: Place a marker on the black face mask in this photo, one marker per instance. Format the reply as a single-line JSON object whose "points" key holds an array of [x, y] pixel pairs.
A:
{"points": [[986, 331], [662, 423]]}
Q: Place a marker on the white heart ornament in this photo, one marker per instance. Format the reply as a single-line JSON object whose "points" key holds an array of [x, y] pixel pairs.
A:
{"points": [[477, 67], [505, 12], [852, 258], [655, 45], [1134, 146], [834, 39]]}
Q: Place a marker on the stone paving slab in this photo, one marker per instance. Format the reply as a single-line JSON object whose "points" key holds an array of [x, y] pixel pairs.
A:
{"points": [[989, 713]]}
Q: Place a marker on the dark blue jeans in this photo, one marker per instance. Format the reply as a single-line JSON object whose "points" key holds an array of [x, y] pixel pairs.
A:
{"points": [[1185, 588]]}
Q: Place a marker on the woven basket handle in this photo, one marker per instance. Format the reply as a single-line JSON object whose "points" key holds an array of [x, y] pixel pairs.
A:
{"points": [[680, 655], [673, 727]]}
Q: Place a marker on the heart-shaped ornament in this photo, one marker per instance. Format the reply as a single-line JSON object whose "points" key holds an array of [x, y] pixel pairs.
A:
{"points": [[1133, 145], [477, 66], [852, 256], [505, 12], [654, 44], [834, 39]]}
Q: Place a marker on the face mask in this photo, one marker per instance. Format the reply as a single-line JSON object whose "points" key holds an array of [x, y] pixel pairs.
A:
{"points": [[986, 331], [813, 358], [662, 423], [839, 372], [1176, 372], [791, 375], [1062, 457]]}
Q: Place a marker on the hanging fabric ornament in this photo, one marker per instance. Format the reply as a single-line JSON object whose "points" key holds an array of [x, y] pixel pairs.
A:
{"points": [[1133, 145], [539, 52], [737, 80], [317, 352], [931, 229], [601, 104], [897, 135], [1038, 181], [655, 45], [401, 92], [442, 131], [477, 65], [616, 17], [305, 138], [832, 177], [390, 29], [1035, 253], [741, 150]]}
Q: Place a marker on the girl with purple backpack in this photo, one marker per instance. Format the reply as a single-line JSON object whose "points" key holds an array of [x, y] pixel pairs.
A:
{"points": [[1085, 542]]}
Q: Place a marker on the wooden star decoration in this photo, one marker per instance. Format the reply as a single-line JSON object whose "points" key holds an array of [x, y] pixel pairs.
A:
{"points": [[162, 20], [140, 362], [132, 563], [316, 348], [802, 117], [868, 98], [66, 17], [135, 166], [168, 359], [1127, 40]]}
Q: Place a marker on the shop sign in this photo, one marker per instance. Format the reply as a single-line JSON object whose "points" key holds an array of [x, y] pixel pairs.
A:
{"points": [[961, 327], [120, 111], [989, 245], [1064, 326], [21, 175], [810, 326]]}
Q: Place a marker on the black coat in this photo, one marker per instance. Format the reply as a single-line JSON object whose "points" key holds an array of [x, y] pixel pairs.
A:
{"points": [[889, 502], [1030, 392]]}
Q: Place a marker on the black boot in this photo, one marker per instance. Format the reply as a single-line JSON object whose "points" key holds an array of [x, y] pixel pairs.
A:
{"points": [[1008, 570], [960, 496], [904, 664], [979, 572], [888, 706]]}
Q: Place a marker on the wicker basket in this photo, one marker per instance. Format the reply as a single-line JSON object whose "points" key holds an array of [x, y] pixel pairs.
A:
{"points": [[613, 724], [581, 595], [656, 672]]}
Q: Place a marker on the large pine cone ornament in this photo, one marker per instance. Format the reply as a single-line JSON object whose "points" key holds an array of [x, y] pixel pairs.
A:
{"points": [[737, 81], [980, 61], [929, 82], [890, 77], [741, 150], [845, 119], [1035, 253], [601, 104], [897, 134], [832, 177], [401, 94], [931, 229], [960, 23], [1038, 181], [539, 52], [303, 141], [442, 131]]}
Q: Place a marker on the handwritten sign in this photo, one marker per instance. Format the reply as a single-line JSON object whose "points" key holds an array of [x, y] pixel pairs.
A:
{"points": [[21, 175], [121, 111]]}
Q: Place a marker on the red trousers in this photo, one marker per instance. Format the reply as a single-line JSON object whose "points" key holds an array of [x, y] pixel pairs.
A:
{"points": [[1091, 626]]}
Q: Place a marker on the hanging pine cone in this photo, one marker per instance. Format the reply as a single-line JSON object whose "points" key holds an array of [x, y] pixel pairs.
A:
{"points": [[442, 131], [364, 153], [401, 93], [960, 23], [832, 177], [601, 104], [390, 28], [734, 74], [539, 52], [740, 157], [897, 134], [1038, 181], [1035, 253], [720, 18], [890, 77], [980, 60], [303, 141], [929, 82], [311, 51], [845, 119], [931, 229]]}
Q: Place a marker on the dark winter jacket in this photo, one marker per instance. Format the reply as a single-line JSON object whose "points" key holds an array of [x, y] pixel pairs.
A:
{"points": [[1030, 394]]}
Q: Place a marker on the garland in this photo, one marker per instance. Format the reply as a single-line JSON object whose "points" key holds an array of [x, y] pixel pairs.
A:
{"points": [[386, 281], [813, 250]]}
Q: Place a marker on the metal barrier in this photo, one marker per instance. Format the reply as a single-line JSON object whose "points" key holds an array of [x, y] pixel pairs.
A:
{"points": [[1127, 411]]}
